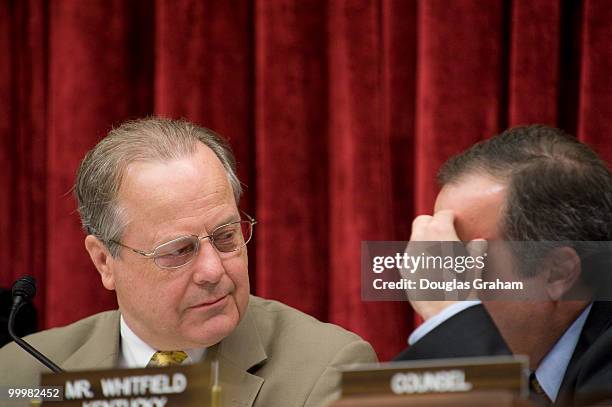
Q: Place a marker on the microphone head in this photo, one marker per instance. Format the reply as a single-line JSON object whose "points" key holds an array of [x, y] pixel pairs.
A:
{"points": [[25, 287]]}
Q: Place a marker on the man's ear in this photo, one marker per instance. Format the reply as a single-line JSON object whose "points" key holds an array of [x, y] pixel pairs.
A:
{"points": [[102, 259], [563, 270]]}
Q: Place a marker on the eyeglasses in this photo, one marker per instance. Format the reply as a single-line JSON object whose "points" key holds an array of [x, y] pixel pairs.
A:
{"points": [[177, 252]]}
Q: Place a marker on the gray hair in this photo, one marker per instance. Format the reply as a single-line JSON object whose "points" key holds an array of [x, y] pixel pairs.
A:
{"points": [[101, 172]]}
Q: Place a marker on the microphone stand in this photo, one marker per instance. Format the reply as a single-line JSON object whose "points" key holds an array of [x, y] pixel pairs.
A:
{"points": [[17, 304]]}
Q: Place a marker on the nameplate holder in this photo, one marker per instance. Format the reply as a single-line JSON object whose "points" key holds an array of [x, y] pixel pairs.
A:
{"points": [[440, 376], [188, 386]]}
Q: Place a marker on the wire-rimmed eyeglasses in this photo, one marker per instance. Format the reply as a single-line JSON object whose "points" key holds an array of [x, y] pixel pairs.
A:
{"points": [[178, 252]]}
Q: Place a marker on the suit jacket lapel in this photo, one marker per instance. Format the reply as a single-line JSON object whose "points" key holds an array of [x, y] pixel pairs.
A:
{"points": [[599, 319], [239, 354], [101, 350]]}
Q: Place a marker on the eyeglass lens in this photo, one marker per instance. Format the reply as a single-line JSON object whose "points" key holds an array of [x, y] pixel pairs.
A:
{"points": [[180, 251]]}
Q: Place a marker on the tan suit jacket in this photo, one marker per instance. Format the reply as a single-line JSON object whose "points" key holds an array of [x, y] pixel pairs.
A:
{"points": [[276, 356]]}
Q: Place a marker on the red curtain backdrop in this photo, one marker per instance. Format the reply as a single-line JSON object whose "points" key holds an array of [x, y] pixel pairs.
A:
{"points": [[339, 112]]}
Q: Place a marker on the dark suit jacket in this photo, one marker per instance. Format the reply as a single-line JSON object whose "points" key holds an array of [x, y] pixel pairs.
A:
{"points": [[587, 380]]}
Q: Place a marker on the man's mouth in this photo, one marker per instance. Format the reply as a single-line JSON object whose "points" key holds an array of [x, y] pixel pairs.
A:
{"points": [[212, 302]]}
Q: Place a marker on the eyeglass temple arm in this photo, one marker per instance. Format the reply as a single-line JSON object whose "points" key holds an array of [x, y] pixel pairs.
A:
{"points": [[249, 217], [134, 250]]}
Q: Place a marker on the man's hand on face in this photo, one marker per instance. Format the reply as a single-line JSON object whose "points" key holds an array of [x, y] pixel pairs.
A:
{"points": [[440, 228]]}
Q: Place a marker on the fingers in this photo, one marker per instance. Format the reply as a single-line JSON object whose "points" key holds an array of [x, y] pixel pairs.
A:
{"points": [[419, 227], [445, 216], [439, 227]]}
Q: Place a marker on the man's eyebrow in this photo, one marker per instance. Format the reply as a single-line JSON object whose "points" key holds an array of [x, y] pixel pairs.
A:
{"points": [[228, 219]]}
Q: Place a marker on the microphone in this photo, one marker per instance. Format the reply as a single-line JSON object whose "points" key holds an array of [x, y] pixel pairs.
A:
{"points": [[24, 290]]}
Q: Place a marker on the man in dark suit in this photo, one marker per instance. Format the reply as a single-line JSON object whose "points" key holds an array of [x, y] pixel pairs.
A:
{"points": [[528, 184]]}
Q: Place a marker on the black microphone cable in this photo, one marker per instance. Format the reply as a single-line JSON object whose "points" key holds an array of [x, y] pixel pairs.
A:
{"points": [[24, 290]]}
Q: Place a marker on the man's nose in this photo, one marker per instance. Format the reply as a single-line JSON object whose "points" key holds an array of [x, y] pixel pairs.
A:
{"points": [[208, 267]]}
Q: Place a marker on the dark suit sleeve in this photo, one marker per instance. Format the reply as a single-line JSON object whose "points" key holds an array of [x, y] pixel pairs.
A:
{"points": [[469, 333]]}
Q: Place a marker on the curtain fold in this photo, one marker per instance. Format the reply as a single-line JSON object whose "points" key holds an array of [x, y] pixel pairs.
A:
{"points": [[292, 200], [339, 112], [203, 64], [460, 91], [23, 138], [99, 75], [534, 70], [595, 95], [360, 172]]}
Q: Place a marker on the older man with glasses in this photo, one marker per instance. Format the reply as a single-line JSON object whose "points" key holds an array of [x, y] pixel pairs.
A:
{"points": [[158, 201]]}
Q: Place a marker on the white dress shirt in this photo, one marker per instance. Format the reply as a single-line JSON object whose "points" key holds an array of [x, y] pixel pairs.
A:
{"points": [[136, 353]]}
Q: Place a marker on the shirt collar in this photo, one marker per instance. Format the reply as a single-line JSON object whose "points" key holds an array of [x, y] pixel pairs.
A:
{"points": [[551, 370], [137, 353]]}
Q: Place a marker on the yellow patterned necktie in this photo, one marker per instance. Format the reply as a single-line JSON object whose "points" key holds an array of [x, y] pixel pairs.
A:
{"points": [[167, 358]]}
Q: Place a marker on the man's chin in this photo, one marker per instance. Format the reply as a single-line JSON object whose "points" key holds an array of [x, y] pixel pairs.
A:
{"points": [[212, 331]]}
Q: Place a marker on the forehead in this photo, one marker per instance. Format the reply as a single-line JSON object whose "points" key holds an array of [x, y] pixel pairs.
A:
{"points": [[477, 202], [192, 186]]}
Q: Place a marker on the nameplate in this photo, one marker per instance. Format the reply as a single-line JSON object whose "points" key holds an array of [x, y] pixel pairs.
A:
{"points": [[442, 376], [188, 386]]}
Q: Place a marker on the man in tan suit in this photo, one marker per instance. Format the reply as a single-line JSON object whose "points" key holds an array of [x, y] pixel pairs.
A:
{"points": [[158, 200]]}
